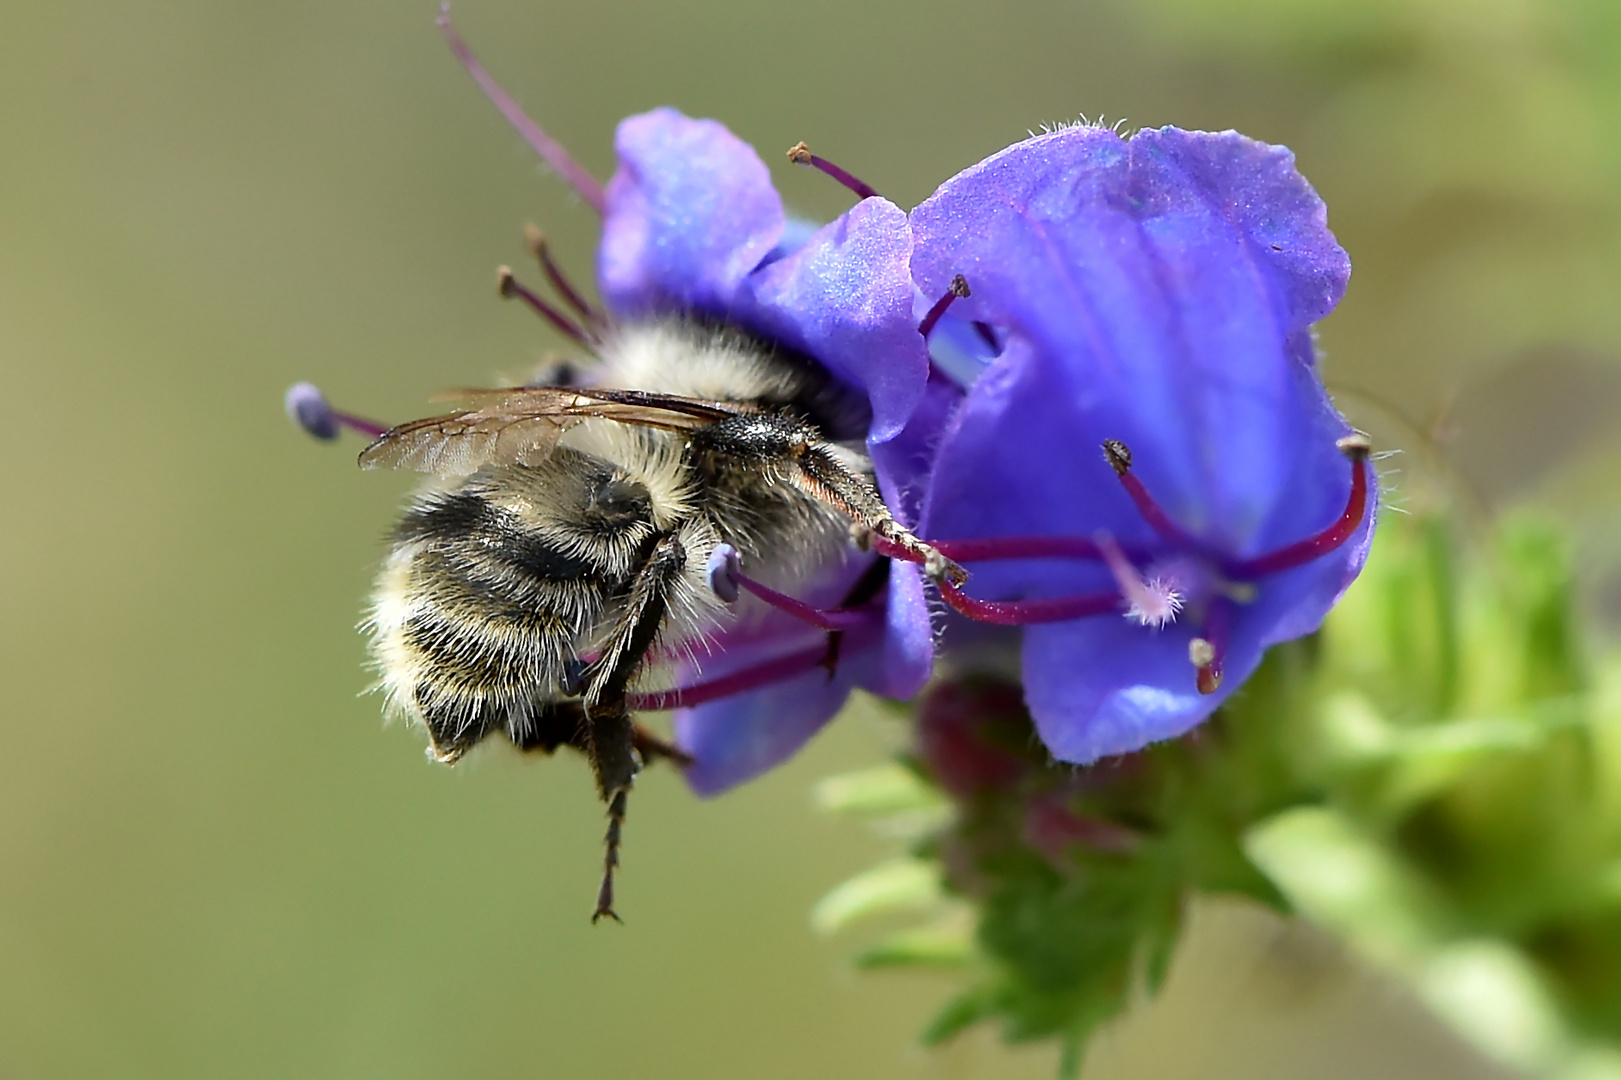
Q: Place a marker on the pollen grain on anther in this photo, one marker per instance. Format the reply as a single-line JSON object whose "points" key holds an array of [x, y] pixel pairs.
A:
{"points": [[509, 287], [540, 250], [800, 154], [954, 292]]}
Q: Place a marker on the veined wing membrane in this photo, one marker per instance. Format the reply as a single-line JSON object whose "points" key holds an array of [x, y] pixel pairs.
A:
{"points": [[522, 425]]}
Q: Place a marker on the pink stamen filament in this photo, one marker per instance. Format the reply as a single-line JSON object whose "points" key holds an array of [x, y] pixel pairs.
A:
{"points": [[1153, 602], [1027, 612], [568, 327], [959, 288], [801, 155], [559, 280], [1314, 547], [369, 428], [835, 619], [550, 150], [738, 682], [1119, 458]]}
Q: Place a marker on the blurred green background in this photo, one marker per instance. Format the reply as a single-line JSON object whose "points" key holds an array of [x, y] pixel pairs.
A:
{"points": [[213, 859]]}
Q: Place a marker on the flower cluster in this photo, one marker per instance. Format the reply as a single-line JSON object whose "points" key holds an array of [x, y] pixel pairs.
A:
{"points": [[1120, 429]]}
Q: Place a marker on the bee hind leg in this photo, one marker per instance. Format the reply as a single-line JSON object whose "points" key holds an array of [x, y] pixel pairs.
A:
{"points": [[612, 737], [610, 862], [617, 762]]}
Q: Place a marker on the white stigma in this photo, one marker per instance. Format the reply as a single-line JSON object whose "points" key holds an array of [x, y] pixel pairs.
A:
{"points": [[1154, 602], [1158, 603]]}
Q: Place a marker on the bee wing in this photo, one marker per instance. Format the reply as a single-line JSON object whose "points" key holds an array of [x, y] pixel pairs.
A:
{"points": [[522, 426]]}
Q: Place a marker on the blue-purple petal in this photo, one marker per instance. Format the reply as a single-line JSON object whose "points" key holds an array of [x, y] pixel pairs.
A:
{"points": [[690, 212], [845, 297], [1142, 279], [1158, 291]]}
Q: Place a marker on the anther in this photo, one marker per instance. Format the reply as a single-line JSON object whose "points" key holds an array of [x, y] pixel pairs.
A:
{"points": [[1202, 655], [535, 240], [723, 572], [510, 287], [1118, 455], [1207, 652], [550, 150], [800, 154], [308, 408], [958, 288], [1355, 447]]}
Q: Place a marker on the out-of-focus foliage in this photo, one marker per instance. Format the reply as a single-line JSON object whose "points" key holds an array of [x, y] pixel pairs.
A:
{"points": [[1433, 779]]}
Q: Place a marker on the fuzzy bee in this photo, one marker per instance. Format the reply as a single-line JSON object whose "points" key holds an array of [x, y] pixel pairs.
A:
{"points": [[569, 539]]}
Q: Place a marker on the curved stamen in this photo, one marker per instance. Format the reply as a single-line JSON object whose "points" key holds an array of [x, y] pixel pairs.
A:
{"points": [[958, 288], [752, 678], [550, 150], [510, 287], [800, 154], [1118, 455], [309, 409], [725, 575], [834, 619], [1027, 612], [1356, 448], [541, 250]]}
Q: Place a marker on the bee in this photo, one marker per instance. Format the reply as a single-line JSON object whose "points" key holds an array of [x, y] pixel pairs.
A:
{"points": [[563, 549]]}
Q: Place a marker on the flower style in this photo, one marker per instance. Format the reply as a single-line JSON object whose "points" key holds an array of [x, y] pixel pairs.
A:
{"points": [[1151, 465], [692, 226]]}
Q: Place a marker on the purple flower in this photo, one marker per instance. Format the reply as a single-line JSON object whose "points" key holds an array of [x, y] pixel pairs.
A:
{"points": [[1155, 294], [693, 227]]}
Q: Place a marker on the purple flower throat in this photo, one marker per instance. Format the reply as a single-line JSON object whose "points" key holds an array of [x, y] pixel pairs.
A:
{"points": [[1181, 575]]}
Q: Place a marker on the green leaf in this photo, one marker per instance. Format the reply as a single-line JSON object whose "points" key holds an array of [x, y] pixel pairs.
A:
{"points": [[1345, 881], [947, 944], [898, 885], [1492, 995], [963, 1011]]}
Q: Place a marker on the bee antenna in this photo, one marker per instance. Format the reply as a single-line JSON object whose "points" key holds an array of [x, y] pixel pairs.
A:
{"points": [[800, 154]]}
